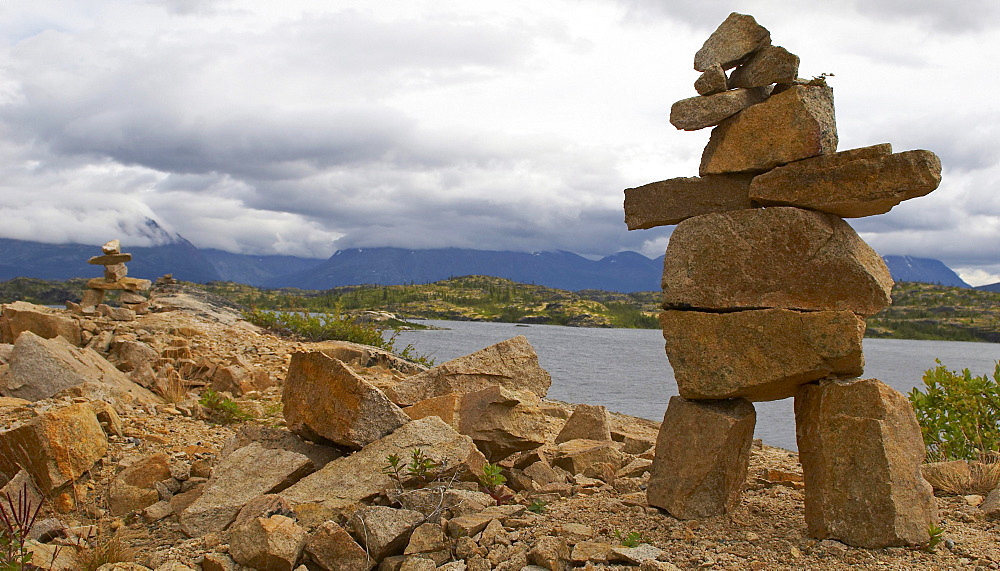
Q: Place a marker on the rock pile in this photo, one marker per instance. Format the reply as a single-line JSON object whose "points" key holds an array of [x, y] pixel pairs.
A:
{"points": [[115, 279], [765, 291]]}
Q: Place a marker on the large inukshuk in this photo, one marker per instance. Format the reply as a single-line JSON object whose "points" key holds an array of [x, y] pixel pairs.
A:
{"points": [[765, 292]]}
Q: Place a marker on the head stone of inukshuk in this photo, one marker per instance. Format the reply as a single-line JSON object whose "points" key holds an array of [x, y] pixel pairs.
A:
{"points": [[765, 293]]}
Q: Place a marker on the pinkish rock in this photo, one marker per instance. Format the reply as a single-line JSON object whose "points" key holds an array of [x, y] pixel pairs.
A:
{"points": [[773, 64], [735, 39], [703, 111], [21, 316], [702, 455], [773, 258], [759, 355], [861, 451], [672, 201], [792, 125], [851, 184]]}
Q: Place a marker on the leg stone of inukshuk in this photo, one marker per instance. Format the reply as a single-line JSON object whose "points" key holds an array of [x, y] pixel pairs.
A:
{"points": [[861, 450], [702, 454]]}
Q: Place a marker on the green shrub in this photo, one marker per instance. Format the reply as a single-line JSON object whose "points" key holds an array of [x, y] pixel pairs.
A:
{"points": [[959, 414], [332, 325], [224, 410]]}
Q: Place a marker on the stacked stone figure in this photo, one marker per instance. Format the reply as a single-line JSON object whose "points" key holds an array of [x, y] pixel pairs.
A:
{"points": [[765, 292], [114, 279]]}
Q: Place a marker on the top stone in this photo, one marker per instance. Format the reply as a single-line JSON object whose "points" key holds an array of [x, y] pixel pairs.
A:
{"points": [[112, 247], [735, 39]]}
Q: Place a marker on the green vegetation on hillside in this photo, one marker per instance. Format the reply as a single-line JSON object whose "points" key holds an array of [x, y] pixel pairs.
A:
{"points": [[919, 311]]}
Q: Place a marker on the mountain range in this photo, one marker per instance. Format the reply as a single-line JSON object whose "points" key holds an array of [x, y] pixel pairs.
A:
{"points": [[623, 271]]}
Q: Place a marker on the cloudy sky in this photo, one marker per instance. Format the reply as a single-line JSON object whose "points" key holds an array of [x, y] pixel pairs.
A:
{"points": [[302, 127]]}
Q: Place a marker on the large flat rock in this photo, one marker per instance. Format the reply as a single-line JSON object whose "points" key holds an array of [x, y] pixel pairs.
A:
{"points": [[672, 201], [348, 480], [702, 456], [21, 316], [759, 355], [245, 474], [851, 184], [56, 447], [795, 124], [512, 364], [40, 368], [773, 258], [325, 398], [861, 450]]}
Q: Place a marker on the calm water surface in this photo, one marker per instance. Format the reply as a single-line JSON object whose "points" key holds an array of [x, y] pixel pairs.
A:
{"points": [[627, 370]]}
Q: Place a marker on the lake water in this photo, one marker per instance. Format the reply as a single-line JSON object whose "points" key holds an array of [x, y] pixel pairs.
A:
{"points": [[627, 370]]}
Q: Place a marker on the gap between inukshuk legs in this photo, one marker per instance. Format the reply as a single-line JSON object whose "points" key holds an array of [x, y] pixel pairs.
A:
{"points": [[765, 291], [115, 272]]}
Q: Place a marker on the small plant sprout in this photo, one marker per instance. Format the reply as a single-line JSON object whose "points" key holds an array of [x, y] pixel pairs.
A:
{"points": [[537, 506], [936, 537], [492, 480], [631, 539], [421, 466], [394, 468]]}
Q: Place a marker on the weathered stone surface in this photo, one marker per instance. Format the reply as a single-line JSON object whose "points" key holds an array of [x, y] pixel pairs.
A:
{"points": [[333, 549], [324, 398], [850, 188], [21, 316], [471, 524], [702, 455], [56, 447], [40, 368], [115, 272], [128, 355], [20, 489], [991, 505], [271, 437], [773, 258], [127, 284], [269, 544], [112, 247], [384, 531], [672, 201], [115, 313], [795, 124], [861, 450], [502, 422], [345, 481], [110, 259], [639, 554], [428, 540], [134, 488], [712, 81], [512, 364], [703, 111], [245, 474], [772, 64], [591, 552], [759, 355], [736, 38], [590, 422], [434, 503], [575, 456], [551, 553]]}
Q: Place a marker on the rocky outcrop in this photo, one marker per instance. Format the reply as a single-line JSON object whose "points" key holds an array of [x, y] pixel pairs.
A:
{"points": [[56, 447], [325, 399], [511, 364], [20, 316]]}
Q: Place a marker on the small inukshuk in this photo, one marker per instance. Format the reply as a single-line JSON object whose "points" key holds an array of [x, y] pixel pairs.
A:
{"points": [[115, 272], [765, 292]]}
